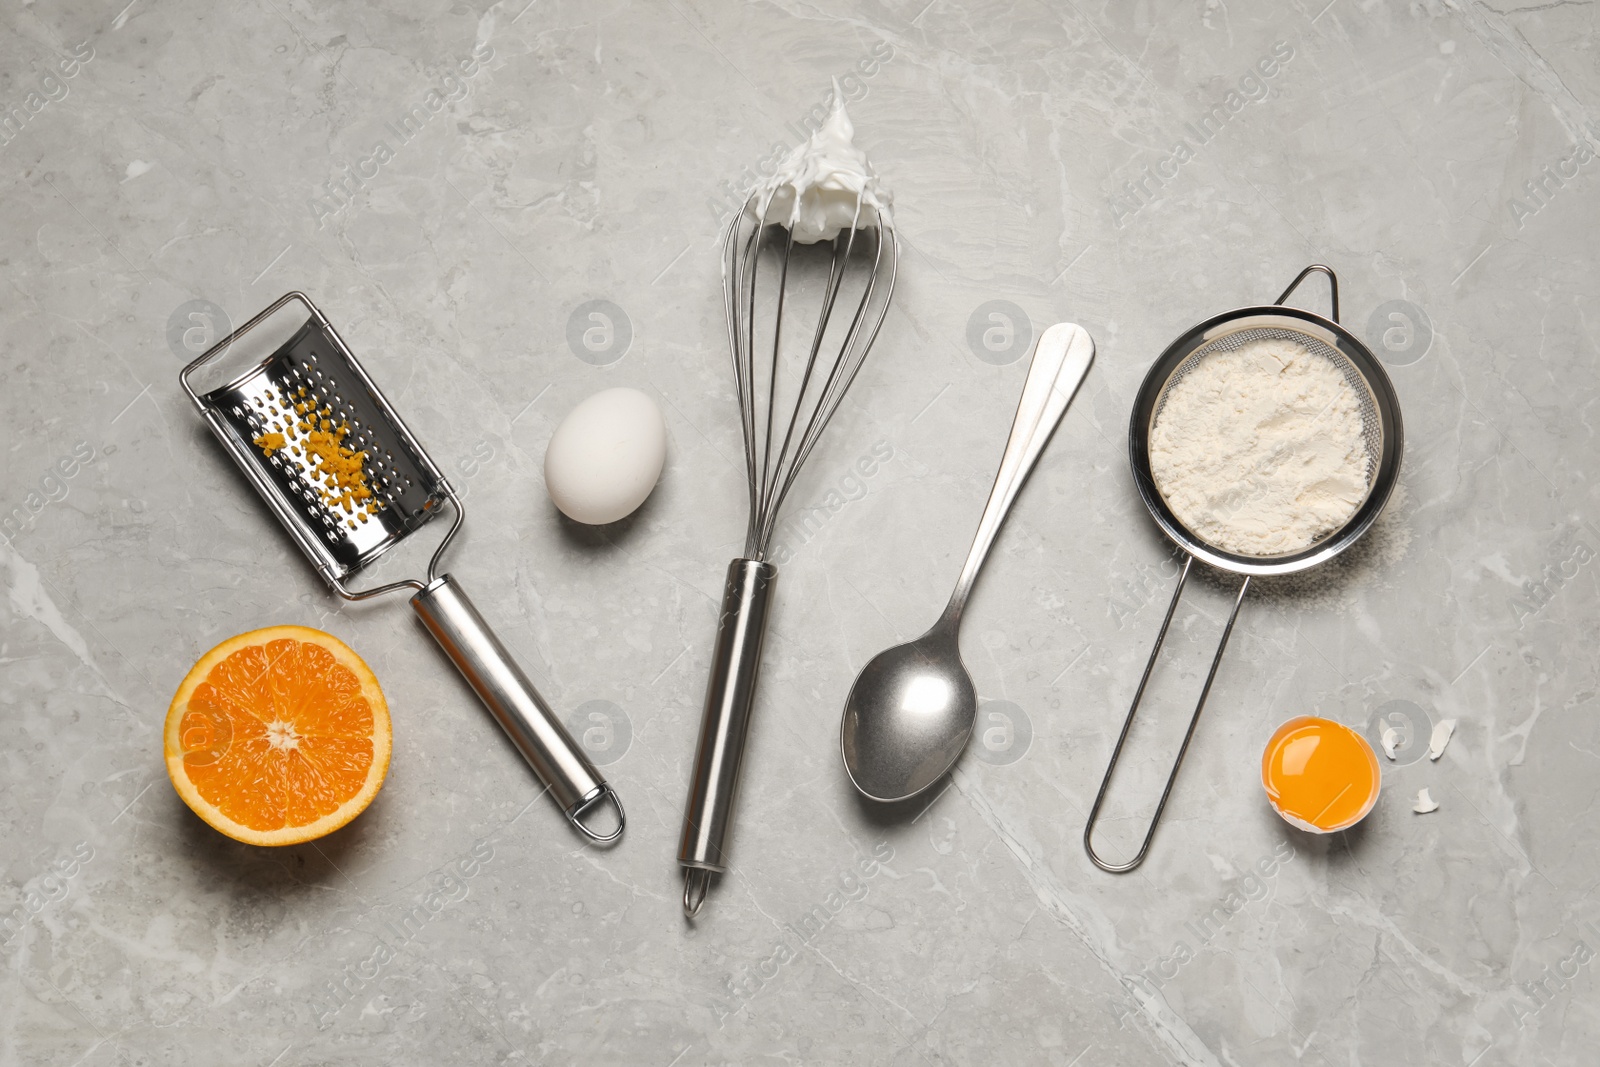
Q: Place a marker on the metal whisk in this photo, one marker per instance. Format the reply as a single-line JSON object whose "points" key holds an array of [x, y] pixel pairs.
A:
{"points": [[783, 412]]}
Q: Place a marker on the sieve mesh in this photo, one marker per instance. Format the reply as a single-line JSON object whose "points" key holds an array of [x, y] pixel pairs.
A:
{"points": [[1371, 422]]}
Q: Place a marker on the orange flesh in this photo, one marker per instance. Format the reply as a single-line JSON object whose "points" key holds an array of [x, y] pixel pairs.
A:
{"points": [[1320, 772], [277, 735]]}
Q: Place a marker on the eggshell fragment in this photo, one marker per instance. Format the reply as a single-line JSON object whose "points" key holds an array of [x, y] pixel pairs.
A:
{"points": [[1425, 803], [1441, 737], [606, 456]]}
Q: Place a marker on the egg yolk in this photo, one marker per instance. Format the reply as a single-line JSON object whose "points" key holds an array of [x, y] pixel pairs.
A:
{"points": [[1320, 775]]}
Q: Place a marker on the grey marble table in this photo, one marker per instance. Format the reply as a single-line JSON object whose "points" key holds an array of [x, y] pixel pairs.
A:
{"points": [[506, 209]]}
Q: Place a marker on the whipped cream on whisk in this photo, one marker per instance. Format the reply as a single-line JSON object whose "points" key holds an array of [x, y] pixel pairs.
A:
{"points": [[826, 185]]}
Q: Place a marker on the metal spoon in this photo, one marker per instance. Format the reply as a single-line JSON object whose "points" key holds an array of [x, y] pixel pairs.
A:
{"points": [[911, 710]]}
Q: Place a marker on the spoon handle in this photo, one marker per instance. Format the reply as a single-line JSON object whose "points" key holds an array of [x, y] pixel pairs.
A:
{"points": [[1060, 361]]}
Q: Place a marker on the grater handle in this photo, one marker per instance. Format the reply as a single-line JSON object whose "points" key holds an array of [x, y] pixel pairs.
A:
{"points": [[516, 705]]}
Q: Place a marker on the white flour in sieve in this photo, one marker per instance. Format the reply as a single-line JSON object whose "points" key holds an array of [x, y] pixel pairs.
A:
{"points": [[1259, 450]]}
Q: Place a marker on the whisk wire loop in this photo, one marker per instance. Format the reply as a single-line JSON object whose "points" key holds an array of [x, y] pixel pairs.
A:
{"points": [[775, 453], [775, 490]]}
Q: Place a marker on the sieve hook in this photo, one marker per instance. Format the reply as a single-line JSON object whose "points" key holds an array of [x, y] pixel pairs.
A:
{"points": [[1333, 286], [1127, 724]]}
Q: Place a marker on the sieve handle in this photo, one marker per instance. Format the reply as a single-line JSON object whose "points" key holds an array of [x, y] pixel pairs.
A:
{"points": [[1127, 724], [516, 705]]}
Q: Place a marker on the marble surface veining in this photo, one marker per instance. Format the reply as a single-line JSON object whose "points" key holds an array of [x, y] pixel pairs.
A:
{"points": [[507, 208]]}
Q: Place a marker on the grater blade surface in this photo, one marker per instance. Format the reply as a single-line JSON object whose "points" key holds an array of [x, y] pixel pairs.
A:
{"points": [[326, 451]]}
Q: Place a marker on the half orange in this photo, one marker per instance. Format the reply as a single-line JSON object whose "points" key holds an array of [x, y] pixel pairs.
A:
{"points": [[278, 736]]}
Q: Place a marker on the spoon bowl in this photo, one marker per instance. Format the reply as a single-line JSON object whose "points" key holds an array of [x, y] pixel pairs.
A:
{"points": [[911, 711]]}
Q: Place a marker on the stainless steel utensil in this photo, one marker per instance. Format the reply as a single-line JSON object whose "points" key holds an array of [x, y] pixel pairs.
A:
{"points": [[910, 712], [1380, 417], [310, 383], [783, 415]]}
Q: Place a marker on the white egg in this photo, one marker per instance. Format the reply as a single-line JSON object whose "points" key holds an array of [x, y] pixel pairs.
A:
{"points": [[606, 456]]}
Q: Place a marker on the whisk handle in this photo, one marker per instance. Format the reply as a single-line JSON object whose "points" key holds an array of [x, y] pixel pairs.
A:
{"points": [[725, 722], [516, 705]]}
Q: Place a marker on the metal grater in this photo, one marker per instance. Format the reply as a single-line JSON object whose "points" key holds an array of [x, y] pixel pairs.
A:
{"points": [[335, 463], [312, 370]]}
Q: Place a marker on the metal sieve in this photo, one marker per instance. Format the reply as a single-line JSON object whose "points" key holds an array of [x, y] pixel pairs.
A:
{"points": [[1380, 431]]}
